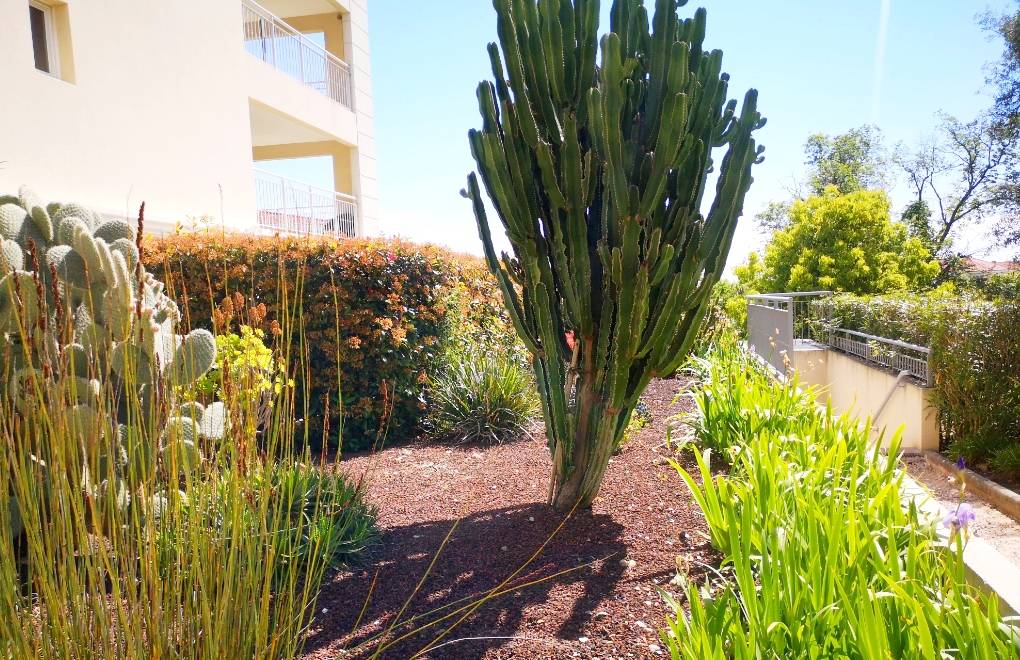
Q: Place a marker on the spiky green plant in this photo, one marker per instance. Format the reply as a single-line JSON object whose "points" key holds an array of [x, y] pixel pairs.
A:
{"points": [[598, 174], [821, 555]]}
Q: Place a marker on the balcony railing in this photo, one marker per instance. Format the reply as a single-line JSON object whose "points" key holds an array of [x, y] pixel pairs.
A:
{"points": [[276, 43], [292, 207]]}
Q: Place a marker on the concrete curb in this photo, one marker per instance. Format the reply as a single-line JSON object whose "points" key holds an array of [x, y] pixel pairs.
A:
{"points": [[1003, 499], [985, 567]]}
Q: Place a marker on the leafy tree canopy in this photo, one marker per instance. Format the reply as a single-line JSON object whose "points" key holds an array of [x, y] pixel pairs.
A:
{"points": [[852, 161], [1006, 74], [841, 242]]}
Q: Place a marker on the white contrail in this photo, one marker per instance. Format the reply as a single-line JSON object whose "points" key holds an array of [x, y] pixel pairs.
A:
{"points": [[883, 34]]}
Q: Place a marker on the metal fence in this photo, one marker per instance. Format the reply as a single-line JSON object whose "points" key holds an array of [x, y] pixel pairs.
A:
{"points": [[777, 322], [292, 207], [891, 353], [276, 43]]}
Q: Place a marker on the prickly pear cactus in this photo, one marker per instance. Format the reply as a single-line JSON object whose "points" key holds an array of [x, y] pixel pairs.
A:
{"points": [[84, 326]]}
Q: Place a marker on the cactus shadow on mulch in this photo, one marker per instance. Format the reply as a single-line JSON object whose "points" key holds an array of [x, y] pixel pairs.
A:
{"points": [[483, 551]]}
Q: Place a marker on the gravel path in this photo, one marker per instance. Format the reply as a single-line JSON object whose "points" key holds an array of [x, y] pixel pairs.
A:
{"points": [[596, 594]]}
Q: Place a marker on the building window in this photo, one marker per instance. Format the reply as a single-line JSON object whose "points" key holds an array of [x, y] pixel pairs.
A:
{"points": [[44, 41]]}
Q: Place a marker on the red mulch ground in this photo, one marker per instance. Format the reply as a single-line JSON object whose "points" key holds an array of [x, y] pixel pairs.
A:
{"points": [[642, 527]]}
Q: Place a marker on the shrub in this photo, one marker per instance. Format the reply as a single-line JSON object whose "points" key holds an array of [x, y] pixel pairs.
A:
{"points": [[975, 361], [820, 557], [481, 396], [842, 242], [328, 507], [372, 317]]}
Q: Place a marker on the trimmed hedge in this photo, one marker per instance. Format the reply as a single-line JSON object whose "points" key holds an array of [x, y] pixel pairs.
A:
{"points": [[376, 316], [975, 359]]}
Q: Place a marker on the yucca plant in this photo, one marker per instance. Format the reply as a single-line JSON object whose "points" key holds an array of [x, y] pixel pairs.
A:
{"points": [[483, 397], [597, 171]]}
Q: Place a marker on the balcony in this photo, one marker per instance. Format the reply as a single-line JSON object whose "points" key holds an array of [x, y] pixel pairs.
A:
{"points": [[291, 207], [270, 39]]}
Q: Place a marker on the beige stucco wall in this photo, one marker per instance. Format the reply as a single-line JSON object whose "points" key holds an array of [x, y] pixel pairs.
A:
{"points": [[851, 386], [356, 45], [155, 105], [141, 120], [343, 158]]}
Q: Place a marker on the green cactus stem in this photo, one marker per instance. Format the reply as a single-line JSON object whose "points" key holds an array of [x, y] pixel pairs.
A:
{"points": [[597, 171]]}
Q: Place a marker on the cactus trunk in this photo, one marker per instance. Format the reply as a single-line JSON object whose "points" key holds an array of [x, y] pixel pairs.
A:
{"points": [[598, 172]]}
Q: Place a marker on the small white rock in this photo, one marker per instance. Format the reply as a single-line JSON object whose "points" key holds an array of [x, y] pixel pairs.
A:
{"points": [[583, 640], [654, 648]]}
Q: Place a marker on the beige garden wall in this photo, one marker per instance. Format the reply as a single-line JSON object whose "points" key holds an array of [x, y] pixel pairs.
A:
{"points": [[851, 386]]}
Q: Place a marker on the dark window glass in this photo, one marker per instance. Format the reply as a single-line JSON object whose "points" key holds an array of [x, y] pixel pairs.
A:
{"points": [[40, 47]]}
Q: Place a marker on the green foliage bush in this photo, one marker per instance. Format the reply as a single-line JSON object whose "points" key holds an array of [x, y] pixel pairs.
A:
{"points": [[374, 316], [483, 396], [328, 508], [975, 360], [841, 242], [244, 363], [820, 557]]}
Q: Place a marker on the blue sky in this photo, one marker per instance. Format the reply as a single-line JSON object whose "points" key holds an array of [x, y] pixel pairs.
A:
{"points": [[819, 65]]}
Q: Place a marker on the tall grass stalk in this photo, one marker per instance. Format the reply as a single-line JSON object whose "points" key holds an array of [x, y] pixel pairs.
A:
{"points": [[208, 563]]}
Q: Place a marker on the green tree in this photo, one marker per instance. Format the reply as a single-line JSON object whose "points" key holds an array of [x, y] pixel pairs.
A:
{"points": [[967, 172], [852, 161], [1006, 74], [841, 243]]}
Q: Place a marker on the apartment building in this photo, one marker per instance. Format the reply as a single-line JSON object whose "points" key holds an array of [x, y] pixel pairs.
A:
{"points": [[176, 103]]}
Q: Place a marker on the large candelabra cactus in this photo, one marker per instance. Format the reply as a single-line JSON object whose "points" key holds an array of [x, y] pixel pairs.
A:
{"points": [[88, 345], [598, 173]]}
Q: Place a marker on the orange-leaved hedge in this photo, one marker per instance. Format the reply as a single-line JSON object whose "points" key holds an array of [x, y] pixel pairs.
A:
{"points": [[376, 316]]}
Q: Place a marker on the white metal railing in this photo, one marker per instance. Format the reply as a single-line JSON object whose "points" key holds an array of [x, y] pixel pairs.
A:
{"points": [[892, 353], [778, 322], [292, 207], [276, 43]]}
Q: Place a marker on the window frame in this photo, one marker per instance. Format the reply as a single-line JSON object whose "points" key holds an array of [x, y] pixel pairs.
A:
{"points": [[50, 34]]}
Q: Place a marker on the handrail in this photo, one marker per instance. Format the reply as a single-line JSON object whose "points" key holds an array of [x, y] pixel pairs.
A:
{"points": [[776, 322], [885, 340], [302, 184], [294, 33]]}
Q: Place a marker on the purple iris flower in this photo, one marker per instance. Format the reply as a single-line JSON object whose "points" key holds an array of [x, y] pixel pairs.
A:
{"points": [[959, 519], [960, 463]]}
